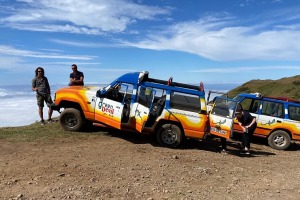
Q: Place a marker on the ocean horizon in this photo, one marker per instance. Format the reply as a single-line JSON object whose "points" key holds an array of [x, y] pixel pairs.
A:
{"points": [[18, 106]]}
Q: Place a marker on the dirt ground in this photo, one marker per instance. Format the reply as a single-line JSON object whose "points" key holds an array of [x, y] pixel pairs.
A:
{"points": [[129, 166]]}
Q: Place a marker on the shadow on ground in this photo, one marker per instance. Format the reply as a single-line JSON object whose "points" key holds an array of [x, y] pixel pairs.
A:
{"points": [[211, 144]]}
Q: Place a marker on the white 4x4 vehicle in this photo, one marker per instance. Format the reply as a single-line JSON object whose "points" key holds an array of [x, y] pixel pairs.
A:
{"points": [[278, 118], [135, 102]]}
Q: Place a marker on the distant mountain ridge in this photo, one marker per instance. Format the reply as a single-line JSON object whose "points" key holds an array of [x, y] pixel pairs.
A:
{"points": [[285, 87]]}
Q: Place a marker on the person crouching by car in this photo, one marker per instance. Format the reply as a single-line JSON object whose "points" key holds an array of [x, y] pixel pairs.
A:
{"points": [[248, 124]]}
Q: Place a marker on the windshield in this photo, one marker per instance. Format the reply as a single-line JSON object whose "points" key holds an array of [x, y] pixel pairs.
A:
{"points": [[224, 107], [238, 98]]}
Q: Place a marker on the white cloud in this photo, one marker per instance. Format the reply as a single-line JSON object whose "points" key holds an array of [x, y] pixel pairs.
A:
{"points": [[221, 40], [85, 44], [85, 16], [13, 106], [12, 51], [238, 70], [10, 62]]}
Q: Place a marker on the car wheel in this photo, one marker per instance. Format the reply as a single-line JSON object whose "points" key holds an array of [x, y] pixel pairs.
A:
{"points": [[71, 120], [279, 140], [169, 135]]}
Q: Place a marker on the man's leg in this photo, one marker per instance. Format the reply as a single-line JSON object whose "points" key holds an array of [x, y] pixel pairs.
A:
{"points": [[50, 111], [41, 113], [223, 143], [246, 141], [49, 102], [40, 103]]}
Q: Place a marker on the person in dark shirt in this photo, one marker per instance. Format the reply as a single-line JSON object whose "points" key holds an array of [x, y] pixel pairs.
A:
{"points": [[76, 77], [41, 85], [248, 124]]}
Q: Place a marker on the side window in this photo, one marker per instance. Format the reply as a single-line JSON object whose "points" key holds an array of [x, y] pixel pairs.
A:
{"points": [[114, 94], [145, 96], [255, 106], [126, 90], [183, 101], [246, 104], [294, 112], [272, 109], [159, 93], [118, 91]]}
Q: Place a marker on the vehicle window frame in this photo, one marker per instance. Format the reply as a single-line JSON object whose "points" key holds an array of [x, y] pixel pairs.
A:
{"points": [[185, 101], [272, 108]]}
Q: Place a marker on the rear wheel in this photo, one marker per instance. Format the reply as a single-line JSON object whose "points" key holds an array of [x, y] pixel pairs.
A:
{"points": [[279, 140], [71, 120], [169, 135]]}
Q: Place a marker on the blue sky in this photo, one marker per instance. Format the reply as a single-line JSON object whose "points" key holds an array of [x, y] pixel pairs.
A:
{"points": [[214, 41]]}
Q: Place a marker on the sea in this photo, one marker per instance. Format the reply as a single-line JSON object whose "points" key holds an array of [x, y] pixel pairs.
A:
{"points": [[18, 106]]}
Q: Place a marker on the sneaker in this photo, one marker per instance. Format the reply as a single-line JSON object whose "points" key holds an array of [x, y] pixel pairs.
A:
{"points": [[223, 151], [50, 121], [245, 152], [43, 122]]}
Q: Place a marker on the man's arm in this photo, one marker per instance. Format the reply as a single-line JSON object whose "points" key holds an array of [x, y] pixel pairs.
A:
{"points": [[33, 87], [80, 80], [48, 85], [72, 79]]}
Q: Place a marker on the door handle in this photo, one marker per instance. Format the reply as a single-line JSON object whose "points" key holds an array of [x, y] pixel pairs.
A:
{"points": [[278, 121]]}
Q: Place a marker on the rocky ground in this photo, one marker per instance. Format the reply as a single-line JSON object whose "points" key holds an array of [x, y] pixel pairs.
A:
{"points": [[129, 166]]}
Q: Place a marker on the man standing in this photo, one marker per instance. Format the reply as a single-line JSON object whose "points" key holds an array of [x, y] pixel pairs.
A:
{"points": [[41, 85], [76, 77]]}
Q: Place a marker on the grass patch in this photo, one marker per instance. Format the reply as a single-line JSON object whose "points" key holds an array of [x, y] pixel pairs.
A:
{"points": [[47, 133], [297, 83], [283, 87]]}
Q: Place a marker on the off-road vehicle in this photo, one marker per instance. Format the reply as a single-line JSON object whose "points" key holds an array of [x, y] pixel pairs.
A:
{"points": [[278, 118], [135, 102]]}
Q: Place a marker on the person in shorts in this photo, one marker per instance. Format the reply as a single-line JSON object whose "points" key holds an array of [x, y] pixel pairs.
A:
{"points": [[41, 85]]}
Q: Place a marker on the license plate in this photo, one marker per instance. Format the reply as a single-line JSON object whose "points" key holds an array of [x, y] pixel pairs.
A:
{"points": [[214, 129]]}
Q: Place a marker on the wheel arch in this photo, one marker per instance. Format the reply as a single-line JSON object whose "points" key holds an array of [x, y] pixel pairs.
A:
{"points": [[71, 104], [164, 121], [281, 140], [281, 129]]}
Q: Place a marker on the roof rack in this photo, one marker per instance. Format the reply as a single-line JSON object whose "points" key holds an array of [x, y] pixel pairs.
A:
{"points": [[171, 83], [144, 77], [283, 99]]}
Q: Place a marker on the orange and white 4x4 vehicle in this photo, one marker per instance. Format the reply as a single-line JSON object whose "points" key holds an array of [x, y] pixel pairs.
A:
{"points": [[278, 118], [134, 102]]}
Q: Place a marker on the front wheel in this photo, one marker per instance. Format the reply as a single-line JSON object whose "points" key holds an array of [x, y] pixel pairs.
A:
{"points": [[71, 120], [169, 135], [279, 140]]}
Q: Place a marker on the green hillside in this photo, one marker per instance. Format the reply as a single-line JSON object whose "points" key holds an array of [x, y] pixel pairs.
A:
{"points": [[285, 87]]}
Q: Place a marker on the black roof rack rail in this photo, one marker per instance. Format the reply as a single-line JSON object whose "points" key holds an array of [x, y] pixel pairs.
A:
{"points": [[283, 99], [171, 83]]}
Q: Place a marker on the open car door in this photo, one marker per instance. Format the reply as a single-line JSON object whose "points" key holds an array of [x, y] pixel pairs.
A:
{"points": [[142, 107], [110, 105], [221, 117]]}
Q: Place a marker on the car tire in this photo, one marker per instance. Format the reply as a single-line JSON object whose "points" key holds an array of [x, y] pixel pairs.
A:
{"points": [[279, 140], [71, 119], [169, 135]]}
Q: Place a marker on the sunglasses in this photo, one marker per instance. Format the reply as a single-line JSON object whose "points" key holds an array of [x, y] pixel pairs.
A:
{"points": [[40, 71]]}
